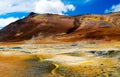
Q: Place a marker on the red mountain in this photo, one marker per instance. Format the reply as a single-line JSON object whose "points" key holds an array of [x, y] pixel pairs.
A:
{"points": [[44, 27]]}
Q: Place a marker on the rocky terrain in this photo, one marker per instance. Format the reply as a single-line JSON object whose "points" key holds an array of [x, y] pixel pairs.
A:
{"points": [[60, 60], [59, 28]]}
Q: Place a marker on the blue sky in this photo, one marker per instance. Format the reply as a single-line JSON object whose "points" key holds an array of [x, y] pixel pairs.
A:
{"points": [[12, 10]]}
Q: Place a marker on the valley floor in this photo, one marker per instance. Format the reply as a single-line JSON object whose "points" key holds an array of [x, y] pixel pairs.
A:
{"points": [[85, 59]]}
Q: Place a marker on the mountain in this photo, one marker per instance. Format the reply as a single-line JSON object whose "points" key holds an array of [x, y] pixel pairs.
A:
{"points": [[53, 27]]}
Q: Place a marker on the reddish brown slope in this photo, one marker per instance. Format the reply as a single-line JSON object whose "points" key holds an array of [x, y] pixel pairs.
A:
{"points": [[100, 27], [35, 25]]}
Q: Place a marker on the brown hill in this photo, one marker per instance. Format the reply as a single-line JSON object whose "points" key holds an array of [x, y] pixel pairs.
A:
{"points": [[44, 27]]}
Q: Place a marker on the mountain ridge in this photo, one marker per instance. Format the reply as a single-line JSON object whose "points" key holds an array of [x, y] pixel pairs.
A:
{"points": [[63, 28]]}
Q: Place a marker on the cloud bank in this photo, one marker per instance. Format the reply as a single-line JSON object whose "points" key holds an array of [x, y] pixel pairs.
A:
{"points": [[6, 21], [53, 6], [38, 6], [114, 8], [8, 6]]}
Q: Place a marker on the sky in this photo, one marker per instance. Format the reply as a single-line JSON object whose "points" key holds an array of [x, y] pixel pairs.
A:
{"points": [[12, 10]]}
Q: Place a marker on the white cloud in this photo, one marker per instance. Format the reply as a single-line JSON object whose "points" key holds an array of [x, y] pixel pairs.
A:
{"points": [[114, 8], [39, 6], [8, 6], [6, 21], [53, 6]]}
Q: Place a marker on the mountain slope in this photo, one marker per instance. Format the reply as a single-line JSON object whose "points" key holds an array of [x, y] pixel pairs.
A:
{"points": [[63, 28]]}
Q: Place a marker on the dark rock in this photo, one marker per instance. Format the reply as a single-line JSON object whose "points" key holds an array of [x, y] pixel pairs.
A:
{"points": [[1, 48], [17, 48], [73, 44], [25, 52], [92, 42], [101, 53], [93, 52], [32, 13], [113, 53]]}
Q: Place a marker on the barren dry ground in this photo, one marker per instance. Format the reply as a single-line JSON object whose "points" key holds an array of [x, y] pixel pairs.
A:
{"points": [[85, 59]]}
